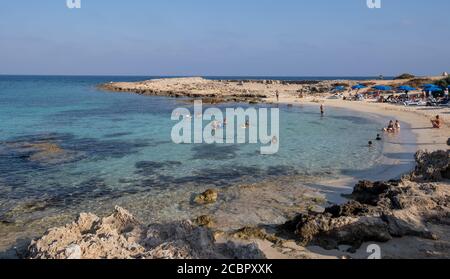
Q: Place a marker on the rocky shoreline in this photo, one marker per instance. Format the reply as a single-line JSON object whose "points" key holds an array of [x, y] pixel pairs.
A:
{"points": [[416, 206], [222, 91]]}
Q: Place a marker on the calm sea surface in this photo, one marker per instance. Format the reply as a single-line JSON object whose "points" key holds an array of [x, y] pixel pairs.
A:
{"points": [[111, 146]]}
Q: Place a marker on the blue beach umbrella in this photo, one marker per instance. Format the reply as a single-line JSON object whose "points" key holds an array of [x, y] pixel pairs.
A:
{"points": [[429, 85], [382, 87], [406, 88], [359, 86], [433, 89], [339, 88]]}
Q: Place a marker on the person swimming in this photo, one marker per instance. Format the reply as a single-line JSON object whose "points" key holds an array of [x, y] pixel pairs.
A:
{"points": [[370, 143], [378, 137], [274, 140], [397, 125], [390, 128]]}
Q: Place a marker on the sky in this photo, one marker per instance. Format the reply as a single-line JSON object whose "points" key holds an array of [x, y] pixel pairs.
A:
{"points": [[220, 38]]}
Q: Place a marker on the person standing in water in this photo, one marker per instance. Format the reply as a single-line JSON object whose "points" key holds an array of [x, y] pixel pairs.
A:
{"points": [[322, 110], [397, 125]]}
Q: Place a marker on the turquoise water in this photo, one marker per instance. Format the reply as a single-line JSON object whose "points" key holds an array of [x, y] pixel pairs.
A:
{"points": [[117, 145]]}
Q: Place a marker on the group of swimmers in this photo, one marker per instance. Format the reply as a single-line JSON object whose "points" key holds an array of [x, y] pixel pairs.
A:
{"points": [[392, 127]]}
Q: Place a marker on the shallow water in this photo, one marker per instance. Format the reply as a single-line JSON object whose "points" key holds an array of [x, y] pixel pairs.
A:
{"points": [[115, 148]]}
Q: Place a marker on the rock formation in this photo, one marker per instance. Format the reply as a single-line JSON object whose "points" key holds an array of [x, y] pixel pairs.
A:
{"points": [[209, 196], [381, 211], [121, 236]]}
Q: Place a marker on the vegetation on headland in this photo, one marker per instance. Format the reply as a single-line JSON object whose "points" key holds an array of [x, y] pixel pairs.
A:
{"points": [[444, 83], [405, 76]]}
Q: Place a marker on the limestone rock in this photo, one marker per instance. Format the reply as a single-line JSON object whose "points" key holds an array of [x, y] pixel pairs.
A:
{"points": [[207, 197], [121, 236], [433, 166]]}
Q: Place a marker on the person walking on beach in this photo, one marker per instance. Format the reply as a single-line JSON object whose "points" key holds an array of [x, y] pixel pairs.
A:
{"points": [[277, 93]]}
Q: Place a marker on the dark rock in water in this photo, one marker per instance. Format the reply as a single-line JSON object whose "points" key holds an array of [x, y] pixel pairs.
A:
{"points": [[6, 221], [204, 221], [151, 167], [43, 152], [207, 197]]}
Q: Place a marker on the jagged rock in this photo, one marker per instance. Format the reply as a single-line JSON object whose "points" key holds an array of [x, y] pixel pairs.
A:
{"points": [[204, 221], [380, 211], [207, 197], [433, 166], [73, 252], [252, 233], [331, 232], [352, 208], [367, 192], [121, 236]]}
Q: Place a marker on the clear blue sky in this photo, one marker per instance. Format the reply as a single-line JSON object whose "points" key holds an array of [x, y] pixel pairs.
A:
{"points": [[212, 37]]}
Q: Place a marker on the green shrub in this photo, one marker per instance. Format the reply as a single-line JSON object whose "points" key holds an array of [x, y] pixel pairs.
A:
{"points": [[405, 76], [444, 82]]}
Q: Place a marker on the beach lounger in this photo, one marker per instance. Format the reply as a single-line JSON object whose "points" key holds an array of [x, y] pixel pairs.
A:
{"points": [[415, 103]]}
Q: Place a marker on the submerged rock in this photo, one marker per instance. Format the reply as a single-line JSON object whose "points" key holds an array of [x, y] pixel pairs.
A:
{"points": [[45, 152], [204, 221], [207, 197]]}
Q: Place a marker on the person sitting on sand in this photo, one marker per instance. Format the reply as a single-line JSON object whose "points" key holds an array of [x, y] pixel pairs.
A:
{"points": [[437, 122]]}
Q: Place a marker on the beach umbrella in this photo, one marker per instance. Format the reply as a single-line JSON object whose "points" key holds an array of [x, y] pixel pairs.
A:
{"points": [[382, 87], [359, 86], [433, 89], [339, 88], [429, 85], [406, 88]]}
